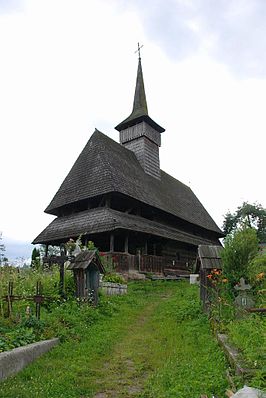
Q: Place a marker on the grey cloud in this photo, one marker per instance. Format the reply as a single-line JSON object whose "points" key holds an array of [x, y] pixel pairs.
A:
{"points": [[236, 27]]}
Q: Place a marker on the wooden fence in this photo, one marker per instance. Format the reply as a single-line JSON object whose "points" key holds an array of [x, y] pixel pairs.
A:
{"points": [[38, 299]]}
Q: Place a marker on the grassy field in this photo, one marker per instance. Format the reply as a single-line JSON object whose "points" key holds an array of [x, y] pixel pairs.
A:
{"points": [[154, 342]]}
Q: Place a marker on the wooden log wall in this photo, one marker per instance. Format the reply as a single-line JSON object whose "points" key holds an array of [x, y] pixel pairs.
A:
{"points": [[145, 263], [181, 256]]}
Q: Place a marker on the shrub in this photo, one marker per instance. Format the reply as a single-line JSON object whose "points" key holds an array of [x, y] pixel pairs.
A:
{"points": [[114, 278], [107, 263], [240, 248], [257, 273]]}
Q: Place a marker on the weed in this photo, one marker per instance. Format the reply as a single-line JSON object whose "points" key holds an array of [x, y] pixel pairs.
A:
{"points": [[163, 348]]}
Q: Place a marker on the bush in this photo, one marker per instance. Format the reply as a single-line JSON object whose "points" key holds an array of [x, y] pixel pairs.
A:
{"points": [[114, 278], [257, 272], [240, 248]]}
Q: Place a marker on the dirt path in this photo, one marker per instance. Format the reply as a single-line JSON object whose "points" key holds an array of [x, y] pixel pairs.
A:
{"points": [[132, 360]]}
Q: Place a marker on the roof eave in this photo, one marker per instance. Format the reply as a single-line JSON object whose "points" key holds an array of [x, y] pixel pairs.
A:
{"points": [[135, 120]]}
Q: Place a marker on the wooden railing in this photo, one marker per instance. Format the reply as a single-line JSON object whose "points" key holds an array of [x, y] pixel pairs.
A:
{"points": [[142, 262], [122, 261], [150, 263]]}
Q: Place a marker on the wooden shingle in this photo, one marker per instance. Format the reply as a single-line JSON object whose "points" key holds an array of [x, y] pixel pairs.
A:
{"points": [[104, 166], [104, 219]]}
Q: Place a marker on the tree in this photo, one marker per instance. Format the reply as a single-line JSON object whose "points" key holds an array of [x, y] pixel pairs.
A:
{"points": [[250, 215], [35, 258], [2, 250], [240, 248]]}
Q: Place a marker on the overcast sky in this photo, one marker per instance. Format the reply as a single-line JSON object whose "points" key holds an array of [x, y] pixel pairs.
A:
{"points": [[68, 66]]}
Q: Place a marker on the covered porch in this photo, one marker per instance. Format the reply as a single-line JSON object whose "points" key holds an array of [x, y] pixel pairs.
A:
{"points": [[130, 250], [133, 242]]}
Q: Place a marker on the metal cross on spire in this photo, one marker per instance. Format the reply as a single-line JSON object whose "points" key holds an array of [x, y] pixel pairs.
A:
{"points": [[138, 50]]}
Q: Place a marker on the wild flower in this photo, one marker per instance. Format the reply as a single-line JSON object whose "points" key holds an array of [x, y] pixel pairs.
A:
{"points": [[216, 276], [260, 276]]}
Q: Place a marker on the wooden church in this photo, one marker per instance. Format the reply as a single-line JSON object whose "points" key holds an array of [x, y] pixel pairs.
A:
{"points": [[117, 196]]}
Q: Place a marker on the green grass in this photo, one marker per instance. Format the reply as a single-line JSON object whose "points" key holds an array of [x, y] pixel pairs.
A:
{"points": [[154, 342], [248, 336], [193, 363]]}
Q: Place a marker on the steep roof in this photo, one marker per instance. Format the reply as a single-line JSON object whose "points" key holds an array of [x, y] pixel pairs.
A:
{"points": [[106, 166], [85, 259], [209, 256], [140, 108], [103, 219]]}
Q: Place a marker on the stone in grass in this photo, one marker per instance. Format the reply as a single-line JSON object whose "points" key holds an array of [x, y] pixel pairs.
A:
{"points": [[249, 392], [134, 275]]}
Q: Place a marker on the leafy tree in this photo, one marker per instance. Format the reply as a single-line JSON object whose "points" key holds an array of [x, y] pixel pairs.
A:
{"points": [[240, 248], [5, 261], [257, 273], [2, 250], [250, 215], [35, 258]]}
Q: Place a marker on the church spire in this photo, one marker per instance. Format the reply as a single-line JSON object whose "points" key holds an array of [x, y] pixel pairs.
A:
{"points": [[140, 104], [139, 133], [140, 109]]}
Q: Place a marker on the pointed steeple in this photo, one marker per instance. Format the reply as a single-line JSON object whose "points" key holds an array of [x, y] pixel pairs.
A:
{"points": [[139, 133], [140, 108], [140, 104]]}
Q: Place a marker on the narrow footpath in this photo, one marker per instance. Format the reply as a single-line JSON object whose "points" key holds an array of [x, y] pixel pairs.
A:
{"points": [[133, 359], [156, 344]]}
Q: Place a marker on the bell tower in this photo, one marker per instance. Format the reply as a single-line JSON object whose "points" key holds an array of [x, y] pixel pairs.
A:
{"points": [[140, 133]]}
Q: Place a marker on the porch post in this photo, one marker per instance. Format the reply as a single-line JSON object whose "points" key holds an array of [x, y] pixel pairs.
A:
{"points": [[126, 244], [46, 250], [62, 249], [146, 247], [112, 242], [154, 249]]}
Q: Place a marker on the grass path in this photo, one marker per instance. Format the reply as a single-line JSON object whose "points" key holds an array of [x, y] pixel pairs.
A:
{"points": [[155, 343], [132, 359]]}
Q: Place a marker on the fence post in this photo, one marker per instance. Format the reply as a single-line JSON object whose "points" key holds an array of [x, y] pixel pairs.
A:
{"points": [[9, 298], [38, 303]]}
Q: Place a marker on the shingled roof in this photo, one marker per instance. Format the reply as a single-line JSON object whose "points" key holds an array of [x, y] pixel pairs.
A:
{"points": [[106, 166], [104, 219], [209, 256]]}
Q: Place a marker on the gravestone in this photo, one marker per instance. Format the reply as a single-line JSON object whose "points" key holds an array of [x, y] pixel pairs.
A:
{"points": [[244, 299]]}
